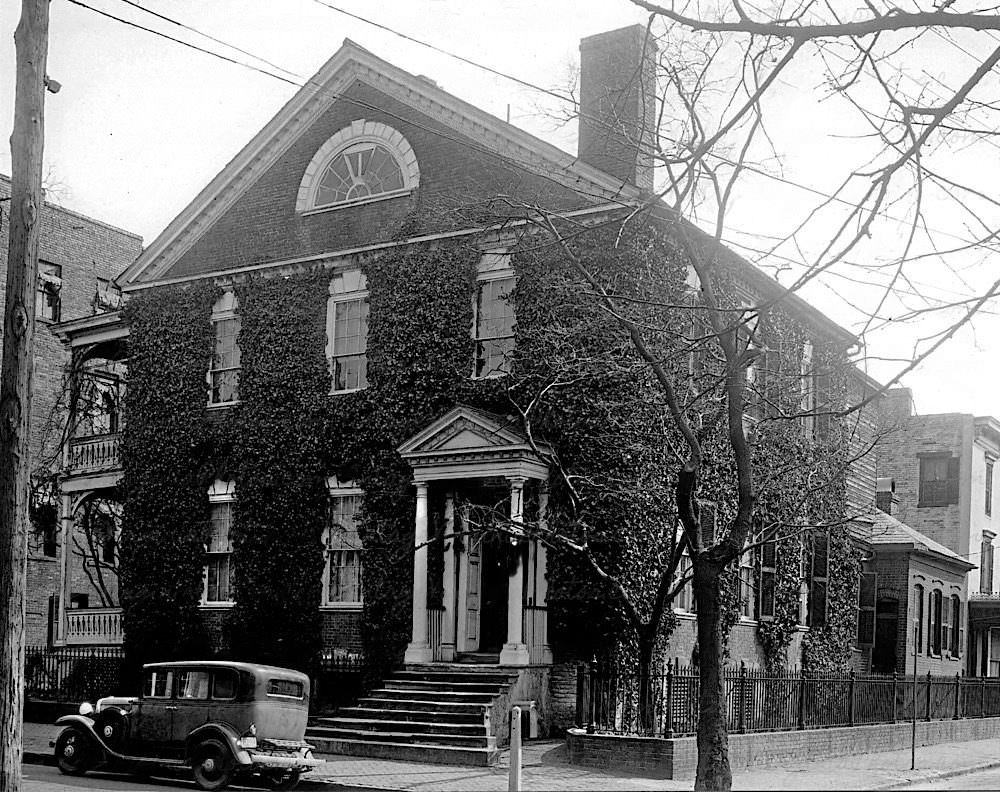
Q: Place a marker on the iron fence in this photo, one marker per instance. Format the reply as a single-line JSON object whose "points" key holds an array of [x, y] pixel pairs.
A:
{"points": [[342, 679], [72, 673], [664, 703]]}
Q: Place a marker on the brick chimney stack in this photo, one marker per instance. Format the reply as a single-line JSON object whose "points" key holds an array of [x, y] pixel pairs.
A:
{"points": [[618, 104], [886, 498]]}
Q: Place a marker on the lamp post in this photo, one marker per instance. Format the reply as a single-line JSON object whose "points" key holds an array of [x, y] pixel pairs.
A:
{"points": [[913, 731]]}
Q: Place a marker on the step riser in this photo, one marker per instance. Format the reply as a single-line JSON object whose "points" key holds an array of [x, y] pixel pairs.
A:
{"points": [[405, 716], [447, 678], [482, 699], [406, 739], [445, 709], [416, 753], [443, 729]]}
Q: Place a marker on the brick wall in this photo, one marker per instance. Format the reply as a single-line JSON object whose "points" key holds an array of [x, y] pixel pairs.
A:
{"points": [[677, 758], [455, 180], [86, 249], [341, 629]]}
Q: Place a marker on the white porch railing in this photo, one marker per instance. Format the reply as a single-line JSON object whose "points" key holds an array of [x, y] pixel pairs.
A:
{"points": [[93, 453], [94, 627], [434, 617]]}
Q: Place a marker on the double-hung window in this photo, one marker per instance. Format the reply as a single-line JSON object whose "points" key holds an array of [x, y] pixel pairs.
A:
{"points": [[819, 577], [219, 549], [988, 491], [935, 627], [986, 564], [768, 567], [938, 480], [342, 575], [48, 304], [493, 316], [224, 369], [347, 331]]}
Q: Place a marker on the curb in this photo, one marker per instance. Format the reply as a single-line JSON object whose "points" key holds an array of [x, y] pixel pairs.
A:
{"points": [[34, 757], [940, 775]]}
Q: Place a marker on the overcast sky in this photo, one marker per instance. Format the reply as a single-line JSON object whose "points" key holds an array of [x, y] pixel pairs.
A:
{"points": [[142, 124]]}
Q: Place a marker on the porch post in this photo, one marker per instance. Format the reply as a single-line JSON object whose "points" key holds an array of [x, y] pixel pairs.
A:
{"points": [[419, 651], [515, 651], [65, 528], [541, 571], [448, 617]]}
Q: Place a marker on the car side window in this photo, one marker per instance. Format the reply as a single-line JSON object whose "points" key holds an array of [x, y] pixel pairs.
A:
{"points": [[224, 685], [192, 685], [159, 684]]}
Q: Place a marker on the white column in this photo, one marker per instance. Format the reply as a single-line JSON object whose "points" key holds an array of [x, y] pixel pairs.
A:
{"points": [[448, 617], [419, 651], [542, 571], [66, 527], [515, 651]]}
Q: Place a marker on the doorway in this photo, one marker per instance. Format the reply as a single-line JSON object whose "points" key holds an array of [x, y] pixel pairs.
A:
{"points": [[886, 635]]}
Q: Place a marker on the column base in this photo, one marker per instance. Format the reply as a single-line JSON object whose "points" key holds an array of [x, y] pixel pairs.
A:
{"points": [[514, 654], [418, 653], [447, 652]]}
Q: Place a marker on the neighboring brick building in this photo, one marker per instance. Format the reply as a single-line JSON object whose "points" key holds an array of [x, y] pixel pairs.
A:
{"points": [[78, 259], [942, 469]]}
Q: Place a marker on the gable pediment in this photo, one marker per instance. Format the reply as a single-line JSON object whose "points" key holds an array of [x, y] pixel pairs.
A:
{"points": [[187, 248], [464, 429]]}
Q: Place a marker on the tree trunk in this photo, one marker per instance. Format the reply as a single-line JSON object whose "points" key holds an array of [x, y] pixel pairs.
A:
{"points": [[646, 708], [31, 39], [714, 772]]}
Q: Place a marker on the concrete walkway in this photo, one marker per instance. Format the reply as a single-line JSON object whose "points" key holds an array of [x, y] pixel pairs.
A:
{"points": [[545, 768]]}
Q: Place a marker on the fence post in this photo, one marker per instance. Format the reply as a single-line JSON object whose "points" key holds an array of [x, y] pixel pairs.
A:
{"points": [[670, 702], [514, 772], [928, 715], [982, 698], [581, 716], [958, 696], [591, 701], [742, 693], [802, 699], [894, 679], [850, 706]]}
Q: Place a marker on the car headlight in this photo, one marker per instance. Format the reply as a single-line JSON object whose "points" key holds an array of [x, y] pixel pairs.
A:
{"points": [[86, 708]]}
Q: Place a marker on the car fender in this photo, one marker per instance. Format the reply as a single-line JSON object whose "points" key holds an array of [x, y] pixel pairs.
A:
{"points": [[223, 732], [87, 725]]}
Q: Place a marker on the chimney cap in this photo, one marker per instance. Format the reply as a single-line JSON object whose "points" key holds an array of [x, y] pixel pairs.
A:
{"points": [[885, 484]]}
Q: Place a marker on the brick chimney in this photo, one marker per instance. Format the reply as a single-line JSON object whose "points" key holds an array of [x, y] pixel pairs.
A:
{"points": [[886, 498], [899, 403], [618, 104]]}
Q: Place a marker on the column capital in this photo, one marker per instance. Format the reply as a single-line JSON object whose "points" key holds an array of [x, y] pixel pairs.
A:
{"points": [[517, 481], [421, 488]]}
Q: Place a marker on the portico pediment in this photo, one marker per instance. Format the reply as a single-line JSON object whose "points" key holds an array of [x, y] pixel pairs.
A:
{"points": [[470, 442]]}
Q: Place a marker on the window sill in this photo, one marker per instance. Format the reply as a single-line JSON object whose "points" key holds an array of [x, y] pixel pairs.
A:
{"points": [[216, 605], [223, 405], [491, 376], [342, 606], [346, 391], [362, 202]]}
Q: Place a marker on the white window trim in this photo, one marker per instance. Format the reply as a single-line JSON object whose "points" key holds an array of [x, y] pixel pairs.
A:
{"points": [[338, 489], [494, 265], [220, 492], [226, 307], [345, 286], [359, 131]]}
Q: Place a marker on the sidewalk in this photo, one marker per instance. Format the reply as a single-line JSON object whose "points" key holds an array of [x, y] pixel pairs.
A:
{"points": [[545, 768]]}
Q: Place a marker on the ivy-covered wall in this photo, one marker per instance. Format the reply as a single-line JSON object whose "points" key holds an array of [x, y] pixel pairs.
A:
{"points": [[604, 415]]}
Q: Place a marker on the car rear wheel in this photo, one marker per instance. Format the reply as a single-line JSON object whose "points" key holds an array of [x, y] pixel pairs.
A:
{"points": [[74, 753], [213, 765], [277, 779]]}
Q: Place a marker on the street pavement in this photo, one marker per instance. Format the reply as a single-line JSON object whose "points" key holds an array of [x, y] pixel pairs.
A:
{"points": [[545, 767]]}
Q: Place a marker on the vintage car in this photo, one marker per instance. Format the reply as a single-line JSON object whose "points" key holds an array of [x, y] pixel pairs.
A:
{"points": [[223, 720]]}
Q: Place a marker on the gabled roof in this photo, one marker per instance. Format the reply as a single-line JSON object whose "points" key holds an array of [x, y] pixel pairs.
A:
{"points": [[886, 530], [349, 64]]}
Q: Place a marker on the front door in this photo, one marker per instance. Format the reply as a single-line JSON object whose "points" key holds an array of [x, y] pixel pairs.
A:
{"points": [[155, 721], [886, 633], [473, 591]]}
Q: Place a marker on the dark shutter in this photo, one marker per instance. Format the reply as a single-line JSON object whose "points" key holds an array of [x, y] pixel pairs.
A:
{"points": [[953, 469]]}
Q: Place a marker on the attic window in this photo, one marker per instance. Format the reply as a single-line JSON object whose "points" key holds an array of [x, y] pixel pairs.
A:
{"points": [[366, 161]]}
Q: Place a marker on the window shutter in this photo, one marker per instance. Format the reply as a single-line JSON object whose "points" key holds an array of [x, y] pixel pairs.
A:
{"points": [[945, 626], [953, 470], [706, 512]]}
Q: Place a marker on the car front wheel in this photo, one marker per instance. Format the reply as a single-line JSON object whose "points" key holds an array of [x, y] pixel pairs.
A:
{"points": [[74, 753], [213, 765]]}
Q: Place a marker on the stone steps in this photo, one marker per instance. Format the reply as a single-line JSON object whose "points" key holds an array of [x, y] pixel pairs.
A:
{"points": [[426, 713]]}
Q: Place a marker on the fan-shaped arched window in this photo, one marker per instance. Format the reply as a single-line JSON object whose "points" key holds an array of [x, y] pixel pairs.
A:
{"points": [[366, 161]]}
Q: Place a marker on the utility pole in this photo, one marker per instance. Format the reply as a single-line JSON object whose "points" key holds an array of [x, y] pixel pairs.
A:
{"points": [[31, 41]]}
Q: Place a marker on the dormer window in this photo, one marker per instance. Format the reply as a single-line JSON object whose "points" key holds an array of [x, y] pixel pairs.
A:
{"points": [[366, 161]]}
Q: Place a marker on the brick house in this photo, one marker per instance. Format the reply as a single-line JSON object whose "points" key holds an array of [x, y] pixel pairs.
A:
{"points": [[79, 257], [941, 468], [363, 162]]}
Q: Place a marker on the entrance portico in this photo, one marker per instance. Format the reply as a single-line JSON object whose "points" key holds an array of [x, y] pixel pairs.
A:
{"points": [[493, 586]]}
